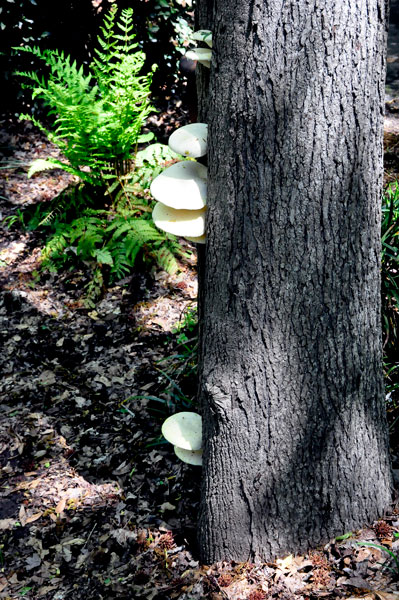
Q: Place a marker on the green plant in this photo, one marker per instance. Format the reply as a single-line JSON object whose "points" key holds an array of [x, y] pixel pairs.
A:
{"points": [[391, 374], [178, 369], [107, 239], [94, 288], [183, 365], [170, 400], [97, 117], [345, 536], [13, 164], [187, 325], [391, 554], [174, 16], [390, 267], [178, 372], [12, 220]]}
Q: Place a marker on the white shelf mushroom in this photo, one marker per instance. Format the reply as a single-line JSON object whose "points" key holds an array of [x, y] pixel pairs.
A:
{"points": [[182, 223], [182, 185], [203, 35], [184, 431], [190, 140], [192, 457], [197, 240], [202, 55]]}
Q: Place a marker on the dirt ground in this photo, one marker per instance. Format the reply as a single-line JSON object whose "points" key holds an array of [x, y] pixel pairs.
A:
{"points": [[93, 502]]}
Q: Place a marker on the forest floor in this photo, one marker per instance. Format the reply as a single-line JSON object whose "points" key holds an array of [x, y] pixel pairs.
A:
{"points": [[93, 505]]}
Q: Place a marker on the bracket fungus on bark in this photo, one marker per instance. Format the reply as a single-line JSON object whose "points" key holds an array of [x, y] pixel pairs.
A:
{"points": [[181, 222], [181, 189], [202, 55], [192, 457], [184, 431], [190, 140], [182, 185], [197, 240], [203, 35]]}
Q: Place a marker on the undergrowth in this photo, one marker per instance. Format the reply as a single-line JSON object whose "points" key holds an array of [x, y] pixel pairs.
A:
{"points": [[177, 372], [390, 303], [96, 116], [85, 226], [390, 269]]}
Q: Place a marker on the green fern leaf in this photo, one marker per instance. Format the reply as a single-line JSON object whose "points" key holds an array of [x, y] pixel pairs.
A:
{"points": [[96, 123], [132, 246], [166, 260], [103, 256], [39, 165]]}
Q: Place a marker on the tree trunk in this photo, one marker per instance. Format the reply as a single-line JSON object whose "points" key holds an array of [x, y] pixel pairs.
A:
{"points": [[291, 382]]}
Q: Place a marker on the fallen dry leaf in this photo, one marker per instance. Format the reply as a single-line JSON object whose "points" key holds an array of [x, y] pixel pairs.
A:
{"points": [[7, 524], [33, 518], [61, 505], [22, 515], [33, 561]]}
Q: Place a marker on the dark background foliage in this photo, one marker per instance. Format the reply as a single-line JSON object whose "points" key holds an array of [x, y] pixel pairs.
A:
{"points": [[72, 26]]}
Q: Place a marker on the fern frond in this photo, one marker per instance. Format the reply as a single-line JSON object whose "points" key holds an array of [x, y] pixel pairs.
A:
{"points": [[122, 263], [103, 256], [56, 245], [166, 260], [49, 217], [39, 165], [132, 246], [97, 114]]}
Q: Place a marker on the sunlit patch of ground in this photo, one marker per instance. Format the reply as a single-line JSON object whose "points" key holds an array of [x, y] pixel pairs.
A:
{"points": [[166, 312]]}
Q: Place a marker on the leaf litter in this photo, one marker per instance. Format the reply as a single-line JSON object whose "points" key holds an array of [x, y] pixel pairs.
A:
{"points": [[93, 504]]}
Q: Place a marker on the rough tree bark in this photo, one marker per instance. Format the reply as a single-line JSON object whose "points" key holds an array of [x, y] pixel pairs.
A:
{"points": [[290, 361]]}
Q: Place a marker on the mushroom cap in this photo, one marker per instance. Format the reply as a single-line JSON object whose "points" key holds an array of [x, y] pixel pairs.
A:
{"points": [[179, 222], [182, 185], [184, 429], [203, 35], [197, 240], [202, 55], [192, 457], [190, 140]]}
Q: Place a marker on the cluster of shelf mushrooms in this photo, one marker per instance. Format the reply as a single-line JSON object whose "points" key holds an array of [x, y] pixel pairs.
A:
{"points": [[202, 55], [181, 188], [180, 191], [184, 431]]}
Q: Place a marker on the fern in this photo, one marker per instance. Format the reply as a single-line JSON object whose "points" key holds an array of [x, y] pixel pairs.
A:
{"points": [[115, 244], [132, 235], [55, 249], [166, 259], [103, 256], [121, 263], [107, 239], [94, 288], [96, 117], [40, 165]]}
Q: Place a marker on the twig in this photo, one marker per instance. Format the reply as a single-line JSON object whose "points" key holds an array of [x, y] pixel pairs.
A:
{"points": [[90, 534]]}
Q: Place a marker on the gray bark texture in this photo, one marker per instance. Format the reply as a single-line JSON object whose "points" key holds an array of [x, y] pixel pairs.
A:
{"points": [[291, 385]]}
